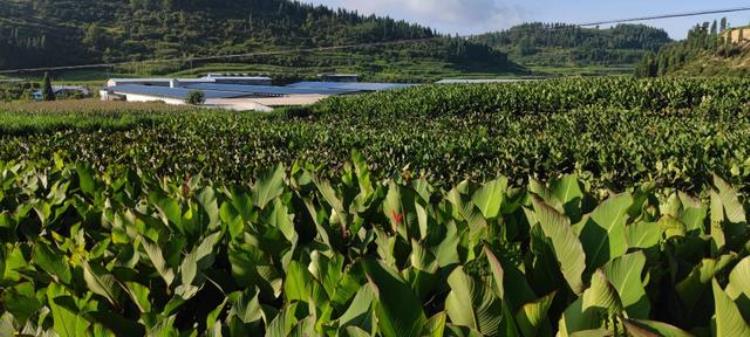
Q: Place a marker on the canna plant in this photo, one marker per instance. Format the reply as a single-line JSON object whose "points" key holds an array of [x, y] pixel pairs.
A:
{"points": [[293, 253]]}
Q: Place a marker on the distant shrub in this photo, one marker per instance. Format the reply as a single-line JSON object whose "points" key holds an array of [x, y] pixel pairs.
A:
{"points": [[298, 112], [195, 97]]}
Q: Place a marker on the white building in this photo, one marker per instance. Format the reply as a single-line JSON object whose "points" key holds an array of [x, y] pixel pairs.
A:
{"points": [[232, 92], [173, 82], [62, 90]]}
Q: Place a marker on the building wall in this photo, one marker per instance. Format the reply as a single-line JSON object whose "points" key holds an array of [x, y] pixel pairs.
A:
{"points": [[146, 98], [734, 34]]}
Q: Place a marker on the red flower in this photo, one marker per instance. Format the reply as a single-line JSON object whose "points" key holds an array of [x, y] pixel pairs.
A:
{"points": [[397, 217]]}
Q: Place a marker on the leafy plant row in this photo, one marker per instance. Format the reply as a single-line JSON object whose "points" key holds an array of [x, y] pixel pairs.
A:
{"points": [[714, 96], [605, 147], [124, 253]]}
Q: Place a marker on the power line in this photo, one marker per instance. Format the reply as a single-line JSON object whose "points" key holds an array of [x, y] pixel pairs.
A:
{"points": [[352, 46], [666, 16], [220, 57]]}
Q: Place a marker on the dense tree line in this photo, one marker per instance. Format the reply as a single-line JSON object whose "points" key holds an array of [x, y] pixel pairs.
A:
{"points": [[85, 31], [618, 45], [704, 39]]}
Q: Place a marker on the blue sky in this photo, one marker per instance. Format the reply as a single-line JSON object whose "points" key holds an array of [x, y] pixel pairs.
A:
{"points": [[476, 16]]}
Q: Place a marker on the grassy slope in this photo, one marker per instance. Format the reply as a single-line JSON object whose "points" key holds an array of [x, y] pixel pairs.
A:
{"points": [[141, 35], [710, 64]]}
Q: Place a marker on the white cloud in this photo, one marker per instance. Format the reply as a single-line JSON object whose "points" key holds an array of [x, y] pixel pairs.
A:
{"points": [[449, 16]]}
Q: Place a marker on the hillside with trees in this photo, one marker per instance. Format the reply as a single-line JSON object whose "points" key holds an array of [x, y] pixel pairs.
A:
{"points": [[36, 33], [560, 44], [705, 52]]}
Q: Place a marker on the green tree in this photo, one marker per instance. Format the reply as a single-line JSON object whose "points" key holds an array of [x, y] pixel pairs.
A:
{"points": [[47, 93], [195, 97], [714, 28], [648, 66]]}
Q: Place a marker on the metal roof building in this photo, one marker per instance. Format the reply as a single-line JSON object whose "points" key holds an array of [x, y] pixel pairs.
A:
{"points": [[234, 92], [176, 82], [180, 93], [483, 80], [266, 90], [349, 86]]}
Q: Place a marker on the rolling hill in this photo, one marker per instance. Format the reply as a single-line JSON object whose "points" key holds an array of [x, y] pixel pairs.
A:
{"points": [[35, 33], [540, 44], [705, 52]]}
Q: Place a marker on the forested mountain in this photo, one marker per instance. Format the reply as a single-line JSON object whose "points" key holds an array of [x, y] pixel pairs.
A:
{"points": [[560, 44], [705, 52], [37, 33]]}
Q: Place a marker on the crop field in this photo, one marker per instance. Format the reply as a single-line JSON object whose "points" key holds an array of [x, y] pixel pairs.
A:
{"points": [[574, 207]]}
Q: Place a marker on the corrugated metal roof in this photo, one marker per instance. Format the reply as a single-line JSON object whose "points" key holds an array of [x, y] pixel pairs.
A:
{"points": [[180, 93], [266, 90], [231, 77], [350, 86]]}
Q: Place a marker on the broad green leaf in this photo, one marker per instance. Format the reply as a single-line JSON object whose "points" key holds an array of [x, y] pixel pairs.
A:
{"points": [[253, 267], [576, 319], [282, 220], [329, 195], [738, 288], [646, 328], [624, 273], [729, 321], [298, 283], [643, 234], [497, 272], [603, 236], [718, 238], [2, 259], [340, 285], [435, 325], [394, 210], [568, 191], [446, 251], [531, 316], [423, 220], [602, 295], [207, 200], [245, 306], [117, 324], [358, 312], [140, 296], [728, 219], [67, 323], [101, 283], [86, 179], [269, 186], [304, 328], [695, 285], [6, 325], [694, 213], [353, 331], [472, 303], [672, 227], [157, 260], [282, 325], [398, 310], [489, 198], [21, 301], [735, 213], [52, 261], [201, 257], [568, 249], [593, 333]]}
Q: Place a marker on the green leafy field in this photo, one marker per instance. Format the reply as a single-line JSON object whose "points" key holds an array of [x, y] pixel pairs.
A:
{"points": [[612, 132], [581, 207], [294, 254]]}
